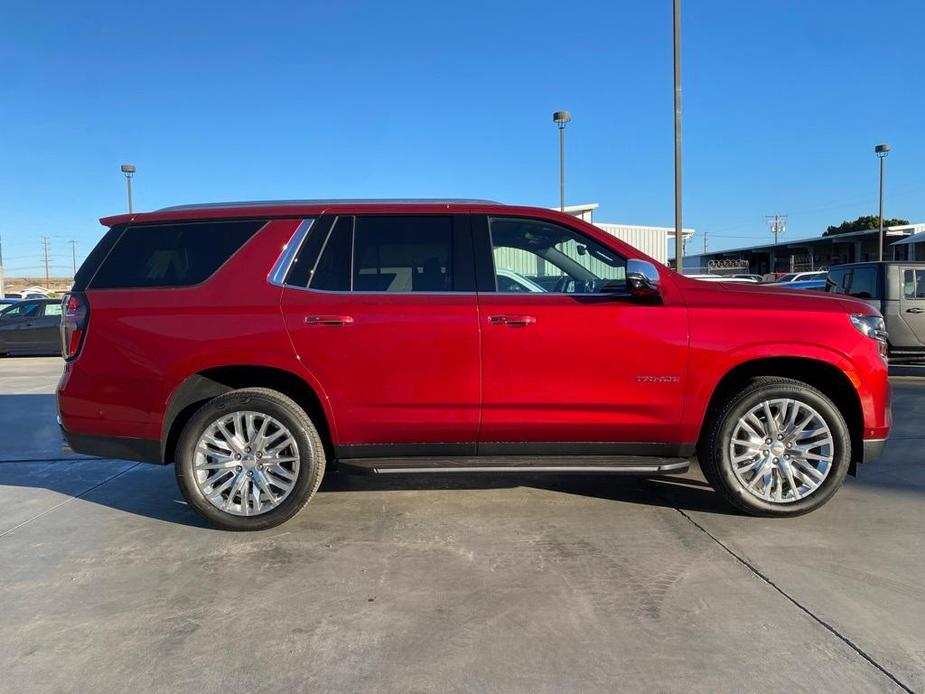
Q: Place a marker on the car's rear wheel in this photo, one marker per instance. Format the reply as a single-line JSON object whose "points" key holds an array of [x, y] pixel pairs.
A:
{"points": [[779, 447], [249, 459]]}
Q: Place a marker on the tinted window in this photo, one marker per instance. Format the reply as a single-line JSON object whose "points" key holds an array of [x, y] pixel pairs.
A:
{"points": [[304, 262], [835, 281], [859, 282], [551, 257], [171, 255], [403, 254], [333, 270], [92, 262], [23, 310], [863, 283]]}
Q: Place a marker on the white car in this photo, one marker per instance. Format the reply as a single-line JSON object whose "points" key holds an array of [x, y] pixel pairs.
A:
{"points": [[510, 281], [803, 276], [27, 294], [722, 278]]}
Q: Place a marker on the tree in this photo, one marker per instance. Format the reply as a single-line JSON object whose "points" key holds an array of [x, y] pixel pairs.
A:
{"points": [[863, 224]]}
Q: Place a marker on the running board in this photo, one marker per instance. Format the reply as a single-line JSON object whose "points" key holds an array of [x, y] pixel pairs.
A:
{"points": [[632, 465]]}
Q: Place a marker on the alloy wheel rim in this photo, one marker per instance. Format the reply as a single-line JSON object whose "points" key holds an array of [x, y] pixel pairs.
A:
{"points": [[246, 463], [782, 450]]}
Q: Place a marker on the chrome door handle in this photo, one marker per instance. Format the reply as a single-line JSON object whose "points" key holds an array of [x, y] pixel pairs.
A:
{"points": [[328, 320], [915, 310], [512, 321]]}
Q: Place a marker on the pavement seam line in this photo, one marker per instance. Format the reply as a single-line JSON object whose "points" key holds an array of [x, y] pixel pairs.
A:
{"points": [[48, 460], [764, 577], [68, 500]]}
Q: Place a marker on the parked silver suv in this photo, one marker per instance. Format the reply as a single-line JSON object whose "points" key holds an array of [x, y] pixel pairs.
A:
{"points": [[897, 289]]}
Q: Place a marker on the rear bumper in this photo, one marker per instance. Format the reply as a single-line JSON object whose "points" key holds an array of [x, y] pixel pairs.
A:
{"points": [[120, 447], [872, 449]]}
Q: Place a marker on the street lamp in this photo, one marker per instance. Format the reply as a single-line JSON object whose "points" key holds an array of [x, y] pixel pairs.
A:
{"points": [[881, 151], [129, 171], [560, 118]]}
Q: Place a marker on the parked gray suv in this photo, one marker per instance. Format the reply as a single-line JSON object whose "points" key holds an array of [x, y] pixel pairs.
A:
{"points": [[897, 289]]}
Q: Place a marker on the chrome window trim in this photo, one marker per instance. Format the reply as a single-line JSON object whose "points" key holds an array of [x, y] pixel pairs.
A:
{"points": [[510, 294], [281, 267]]}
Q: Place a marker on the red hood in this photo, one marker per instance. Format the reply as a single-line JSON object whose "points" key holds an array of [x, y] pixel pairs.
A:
{"points": [[767, 296]]}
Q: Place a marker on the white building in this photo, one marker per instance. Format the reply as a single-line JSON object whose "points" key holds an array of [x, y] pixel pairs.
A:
{"points": [[653, 241]]}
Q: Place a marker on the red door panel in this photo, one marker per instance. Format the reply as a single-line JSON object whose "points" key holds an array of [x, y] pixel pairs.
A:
{"points": [[397, 368], [568, 368]]}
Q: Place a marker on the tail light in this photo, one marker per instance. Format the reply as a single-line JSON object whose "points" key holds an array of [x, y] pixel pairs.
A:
{"points": [[74, 319]]}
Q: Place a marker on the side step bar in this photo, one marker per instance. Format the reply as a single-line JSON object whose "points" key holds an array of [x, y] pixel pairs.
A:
{"points": [[633, 465]]}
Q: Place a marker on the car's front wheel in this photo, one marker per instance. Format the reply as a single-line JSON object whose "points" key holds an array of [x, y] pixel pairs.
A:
{"points": [[779, 447], [249, 459]]}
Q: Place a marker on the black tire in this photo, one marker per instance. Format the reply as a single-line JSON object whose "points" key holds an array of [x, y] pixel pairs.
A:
{"points": [[714, 454], [283, 409]]}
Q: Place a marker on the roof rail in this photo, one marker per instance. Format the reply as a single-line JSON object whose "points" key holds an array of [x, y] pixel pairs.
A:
{"points": [[344, 201]]}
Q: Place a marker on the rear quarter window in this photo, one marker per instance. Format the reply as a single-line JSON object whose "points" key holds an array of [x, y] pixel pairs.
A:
{"points": [[171, 255]]}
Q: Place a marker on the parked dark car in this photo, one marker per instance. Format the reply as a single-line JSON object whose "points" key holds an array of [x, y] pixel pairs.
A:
{"points": [[31, 327], [897, 290]]}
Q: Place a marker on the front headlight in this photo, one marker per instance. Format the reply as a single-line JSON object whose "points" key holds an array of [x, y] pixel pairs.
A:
{"points": [[872, 326]]}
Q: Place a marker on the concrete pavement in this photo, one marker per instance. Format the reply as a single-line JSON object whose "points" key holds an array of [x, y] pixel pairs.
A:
{"points": [[108, 582]]}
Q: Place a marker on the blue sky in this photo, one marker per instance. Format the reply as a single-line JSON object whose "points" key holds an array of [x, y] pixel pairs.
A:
{"points": [[783, 103]]}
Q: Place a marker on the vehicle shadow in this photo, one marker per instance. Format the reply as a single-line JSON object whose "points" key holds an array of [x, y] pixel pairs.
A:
{"points": [[32, 432], [685, 492], [151, 490]]}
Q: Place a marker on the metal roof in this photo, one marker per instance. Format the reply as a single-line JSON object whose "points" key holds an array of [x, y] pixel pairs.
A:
{"points": [[341, 201], [915, 238], [831, 238]]}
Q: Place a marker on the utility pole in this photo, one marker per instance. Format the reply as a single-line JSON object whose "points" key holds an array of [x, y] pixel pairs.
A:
{"points": [[45, 253], [705, 242], [777, 223], [73, 256], [678, 231]]}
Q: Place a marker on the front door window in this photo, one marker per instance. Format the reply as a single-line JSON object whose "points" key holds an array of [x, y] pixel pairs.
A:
{"points": [[534, 255]]}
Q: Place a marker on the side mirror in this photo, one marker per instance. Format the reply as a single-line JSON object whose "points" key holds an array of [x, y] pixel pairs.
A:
{"points": [[642, 279]]}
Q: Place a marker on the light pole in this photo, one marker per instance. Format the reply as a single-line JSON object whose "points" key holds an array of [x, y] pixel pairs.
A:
{"points": [[678, 231], [129, 171], [881, 151], [560, 118]]}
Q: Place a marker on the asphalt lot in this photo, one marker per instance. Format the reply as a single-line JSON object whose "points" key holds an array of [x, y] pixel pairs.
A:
{"points": [[109, 583]]}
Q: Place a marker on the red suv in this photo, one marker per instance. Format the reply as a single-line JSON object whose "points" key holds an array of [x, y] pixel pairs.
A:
{"points": [[252, 344]]}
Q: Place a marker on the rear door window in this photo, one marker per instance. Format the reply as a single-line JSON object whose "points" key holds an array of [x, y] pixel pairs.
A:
{"points": [[403, 254], [171, 255]]}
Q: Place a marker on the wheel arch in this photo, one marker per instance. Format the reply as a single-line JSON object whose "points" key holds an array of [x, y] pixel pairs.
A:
{"points": [[820, 374], [200, 387]]}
